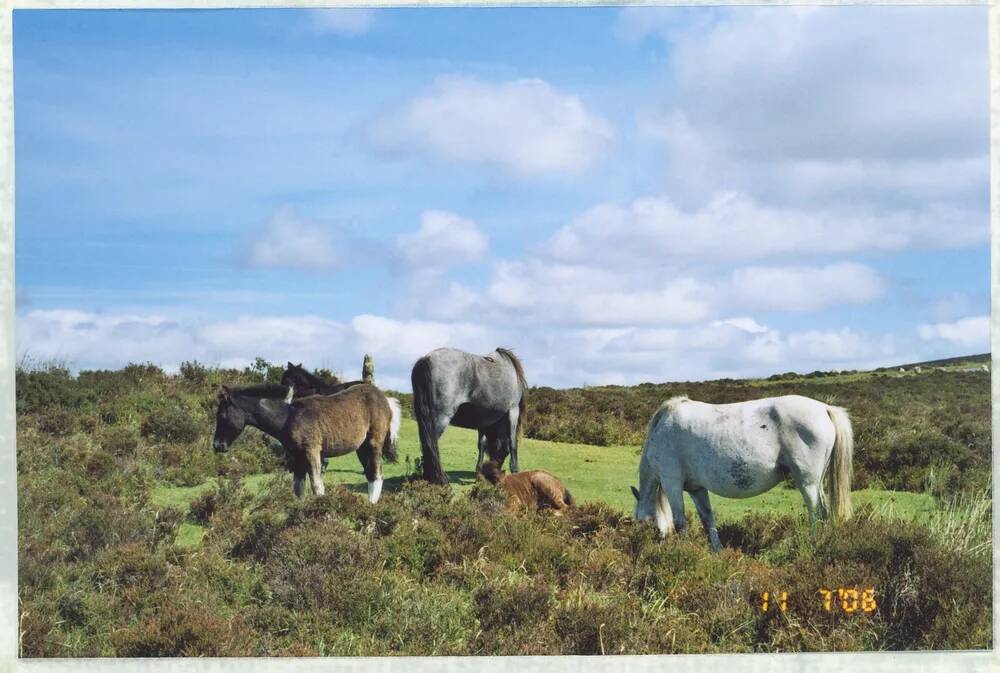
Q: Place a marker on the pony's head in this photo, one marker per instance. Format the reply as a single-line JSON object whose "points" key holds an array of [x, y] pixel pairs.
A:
{"points": [[492, 472], [230, 420], [294, 374], [643, 512]]}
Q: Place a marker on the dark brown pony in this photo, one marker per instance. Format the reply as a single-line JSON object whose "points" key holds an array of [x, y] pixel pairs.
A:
{"points": [[536, 489], [306, 383], [361, 419]]}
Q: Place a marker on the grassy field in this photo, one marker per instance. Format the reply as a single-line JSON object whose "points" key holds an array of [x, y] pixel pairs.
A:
{"points": [[136, 539], [600, 474]]}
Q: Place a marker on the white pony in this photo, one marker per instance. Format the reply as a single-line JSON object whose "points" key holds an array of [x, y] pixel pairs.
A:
{"points": [[741, 450]]}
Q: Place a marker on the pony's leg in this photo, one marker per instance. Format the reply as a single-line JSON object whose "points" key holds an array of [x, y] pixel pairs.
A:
{"points": [[512, 433], [431, 432], [812, 494], [674, 491], [707, 517], [299, 481], [299, 468], [482, 450], [314, 456], [370, 453]]}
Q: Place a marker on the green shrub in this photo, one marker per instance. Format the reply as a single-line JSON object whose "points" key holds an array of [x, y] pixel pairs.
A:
{"points": [[45, 387], [194, 372], [57, 422], [119, 441], [171, 425]]}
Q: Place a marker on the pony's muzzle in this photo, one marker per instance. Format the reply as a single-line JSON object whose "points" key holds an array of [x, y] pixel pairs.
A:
{"points": [[219, 446]]}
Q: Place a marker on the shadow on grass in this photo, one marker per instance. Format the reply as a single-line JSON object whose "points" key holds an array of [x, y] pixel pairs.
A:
{"points": [[458, 477]]}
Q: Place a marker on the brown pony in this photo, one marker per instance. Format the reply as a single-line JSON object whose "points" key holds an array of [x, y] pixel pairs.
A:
{"points": [[360, 419], [535, 488]]}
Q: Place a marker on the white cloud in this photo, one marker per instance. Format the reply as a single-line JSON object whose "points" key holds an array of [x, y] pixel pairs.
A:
{"points": [[401, 342], [288, 241], [86, 340], [972, 333], [800, 288], [540, 292], [746, 324], [443, 239], [955, 305], [344, 22], [721, 349], [554, 355], [880, 105], [524, 127], [735, 226], [858, 82]]}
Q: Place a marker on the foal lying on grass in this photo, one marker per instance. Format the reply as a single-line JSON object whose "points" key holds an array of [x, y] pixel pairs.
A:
{"points": [[535, 488]]}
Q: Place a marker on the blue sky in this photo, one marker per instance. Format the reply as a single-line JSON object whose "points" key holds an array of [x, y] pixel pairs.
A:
{"points": [[621, 195]]}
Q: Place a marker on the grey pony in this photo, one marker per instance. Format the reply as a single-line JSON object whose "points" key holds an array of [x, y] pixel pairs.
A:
{"points": [[487, 393]]}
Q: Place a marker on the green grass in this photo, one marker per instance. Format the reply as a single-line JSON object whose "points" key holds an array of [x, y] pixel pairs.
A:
{"points": [[591, 473]]}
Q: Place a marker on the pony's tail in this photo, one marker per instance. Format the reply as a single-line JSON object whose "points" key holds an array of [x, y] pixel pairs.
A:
{"points": [[649, 487], [389, 448], [841, 462], [424, 412], [522, 414], [522, 405], [664, 515]]}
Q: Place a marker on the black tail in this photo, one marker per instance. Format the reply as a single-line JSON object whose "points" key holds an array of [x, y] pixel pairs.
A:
{"points": [[424, 412], [568, 497], [522, 413]]}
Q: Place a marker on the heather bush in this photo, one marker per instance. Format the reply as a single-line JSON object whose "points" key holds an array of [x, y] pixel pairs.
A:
{"points": [[102, 571]]}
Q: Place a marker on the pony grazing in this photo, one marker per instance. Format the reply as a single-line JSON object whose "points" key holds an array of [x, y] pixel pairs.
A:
{"points": [[481, 392], [536, 489], [306, 383], [361, 419], [742, 450]]}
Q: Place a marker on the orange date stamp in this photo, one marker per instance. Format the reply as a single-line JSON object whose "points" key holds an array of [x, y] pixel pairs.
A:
{"points": [[848, 600]]}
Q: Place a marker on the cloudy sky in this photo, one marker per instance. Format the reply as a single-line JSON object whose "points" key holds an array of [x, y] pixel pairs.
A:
{"points": [[620, 195]]}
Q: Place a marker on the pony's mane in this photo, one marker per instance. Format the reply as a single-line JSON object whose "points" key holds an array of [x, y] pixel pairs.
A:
{"points": [[313, 379], [518, 368], [268, 390]]}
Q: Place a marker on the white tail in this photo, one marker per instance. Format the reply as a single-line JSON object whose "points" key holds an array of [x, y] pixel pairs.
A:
{"points": [[391, 444], [397, 417], [651, 493], [664, 515], [841, 463]]}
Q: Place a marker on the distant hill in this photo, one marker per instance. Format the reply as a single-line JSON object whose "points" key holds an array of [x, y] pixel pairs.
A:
{"points": [[971, 359]]}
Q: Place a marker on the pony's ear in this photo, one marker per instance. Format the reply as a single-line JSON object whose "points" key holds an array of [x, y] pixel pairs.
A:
{"points": [[635, 492], [290, 365], [299, 365]]}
